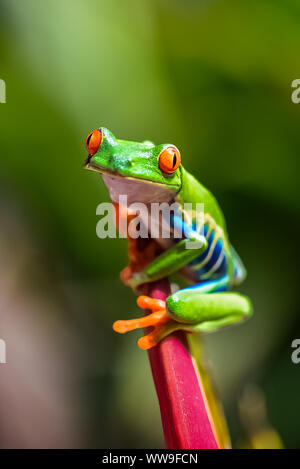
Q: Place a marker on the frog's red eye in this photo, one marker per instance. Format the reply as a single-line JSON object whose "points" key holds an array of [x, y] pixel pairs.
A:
{"points": [[169, 159], [93, 141]]}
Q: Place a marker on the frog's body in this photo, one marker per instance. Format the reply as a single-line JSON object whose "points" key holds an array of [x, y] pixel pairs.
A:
{"points": [[201, 252], [219, 259]]}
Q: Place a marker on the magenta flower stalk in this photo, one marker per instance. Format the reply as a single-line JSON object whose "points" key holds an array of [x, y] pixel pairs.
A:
{"points": [[186, 416]]}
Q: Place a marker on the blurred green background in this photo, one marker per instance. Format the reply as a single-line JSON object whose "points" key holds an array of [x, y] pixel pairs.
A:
{"points": [[213, 77]]}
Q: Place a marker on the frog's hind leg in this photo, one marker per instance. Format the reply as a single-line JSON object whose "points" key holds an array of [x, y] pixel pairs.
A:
{"points": [[207, 307], [201, 308]]}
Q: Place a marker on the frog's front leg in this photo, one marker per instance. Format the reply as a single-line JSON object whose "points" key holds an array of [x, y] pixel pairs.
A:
{"points": [[170, 261], [141, 251]]}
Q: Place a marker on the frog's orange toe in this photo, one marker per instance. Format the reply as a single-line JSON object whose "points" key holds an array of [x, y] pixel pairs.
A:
{"points": [[121, 327], [157, 319], [146, 302], [150, 340], [146, 342]]}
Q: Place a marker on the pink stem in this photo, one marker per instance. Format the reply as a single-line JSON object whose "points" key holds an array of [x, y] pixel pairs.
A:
{"points": [[186, 419]]}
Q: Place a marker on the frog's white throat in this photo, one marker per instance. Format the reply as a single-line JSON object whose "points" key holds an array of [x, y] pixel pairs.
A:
{"points": [[137, 190]]}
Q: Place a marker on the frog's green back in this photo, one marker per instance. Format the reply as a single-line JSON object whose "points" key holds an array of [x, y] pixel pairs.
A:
{"points": [[194, 192]]}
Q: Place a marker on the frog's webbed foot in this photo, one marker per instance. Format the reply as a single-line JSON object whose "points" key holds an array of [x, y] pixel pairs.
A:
{"points": [[158, 319]]}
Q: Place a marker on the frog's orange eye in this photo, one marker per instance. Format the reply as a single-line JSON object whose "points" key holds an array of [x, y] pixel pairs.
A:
{"points": [[93, 141], [169, 160]]}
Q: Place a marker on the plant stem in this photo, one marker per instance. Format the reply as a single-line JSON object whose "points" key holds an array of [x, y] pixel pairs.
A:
{"points": [[186, 417]]}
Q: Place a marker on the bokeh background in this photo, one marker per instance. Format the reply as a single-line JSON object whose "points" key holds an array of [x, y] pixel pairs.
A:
{"points": [[211, 76]]}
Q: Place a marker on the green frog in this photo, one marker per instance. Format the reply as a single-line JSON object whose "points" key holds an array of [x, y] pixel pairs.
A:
{"points": [[197, 247]]}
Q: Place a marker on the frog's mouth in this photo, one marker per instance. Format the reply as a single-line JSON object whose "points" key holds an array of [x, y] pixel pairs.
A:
{"points": [[136, 190]]}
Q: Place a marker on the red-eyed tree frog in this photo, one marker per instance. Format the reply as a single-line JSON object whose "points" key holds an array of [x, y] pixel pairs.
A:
{"points": [[201, 252]]}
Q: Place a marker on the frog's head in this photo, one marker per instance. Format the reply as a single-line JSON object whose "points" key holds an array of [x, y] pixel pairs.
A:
{"points": [[143, 171]]}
